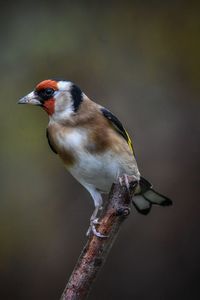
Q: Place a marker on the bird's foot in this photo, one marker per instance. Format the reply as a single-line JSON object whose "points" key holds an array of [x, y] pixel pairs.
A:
{"points": [[126, 181], [92, 229], [96, 221]]}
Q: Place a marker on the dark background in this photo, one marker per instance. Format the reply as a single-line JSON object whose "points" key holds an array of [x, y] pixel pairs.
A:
{"points": [[141, 60]]}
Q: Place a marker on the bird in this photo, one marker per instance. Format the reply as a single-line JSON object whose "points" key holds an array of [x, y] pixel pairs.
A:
{"points": [[92, 143]]}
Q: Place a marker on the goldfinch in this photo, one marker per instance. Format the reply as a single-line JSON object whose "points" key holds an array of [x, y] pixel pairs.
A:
{"points": [[92, 143]]}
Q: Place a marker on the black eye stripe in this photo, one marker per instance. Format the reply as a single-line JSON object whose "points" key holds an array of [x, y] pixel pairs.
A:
{"points": [[45, 94]]}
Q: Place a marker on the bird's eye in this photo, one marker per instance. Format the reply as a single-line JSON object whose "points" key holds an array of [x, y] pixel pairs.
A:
{"points": [[45, 94], [48, 92]]}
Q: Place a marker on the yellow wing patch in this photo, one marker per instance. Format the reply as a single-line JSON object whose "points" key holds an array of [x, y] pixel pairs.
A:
{"points": [[129, 142]]}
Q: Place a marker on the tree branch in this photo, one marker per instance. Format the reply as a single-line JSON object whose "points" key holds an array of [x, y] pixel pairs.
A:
{"points": [[93, 256]]}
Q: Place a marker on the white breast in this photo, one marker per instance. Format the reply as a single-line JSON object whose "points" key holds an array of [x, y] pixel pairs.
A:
{"points": [[90, 169], [99, 171], [74, 140]]}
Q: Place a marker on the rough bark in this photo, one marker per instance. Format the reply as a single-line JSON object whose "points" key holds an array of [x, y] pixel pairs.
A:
{"points": [[94, 254]]}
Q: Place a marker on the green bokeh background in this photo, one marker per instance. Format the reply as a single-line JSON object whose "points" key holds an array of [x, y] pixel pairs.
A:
{"points": [[141, 60]]}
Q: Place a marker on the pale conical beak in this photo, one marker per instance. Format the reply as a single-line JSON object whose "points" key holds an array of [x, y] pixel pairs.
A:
{"points": [[31, 98]]}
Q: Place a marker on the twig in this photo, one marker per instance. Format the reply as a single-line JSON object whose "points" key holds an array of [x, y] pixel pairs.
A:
{"points": [[93, 256]]}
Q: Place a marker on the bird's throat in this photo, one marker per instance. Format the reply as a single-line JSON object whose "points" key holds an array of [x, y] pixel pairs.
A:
{"points": [[49, 106]]}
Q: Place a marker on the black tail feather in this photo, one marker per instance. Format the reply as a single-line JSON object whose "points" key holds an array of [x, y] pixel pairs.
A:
{"points": [[146, 196]]}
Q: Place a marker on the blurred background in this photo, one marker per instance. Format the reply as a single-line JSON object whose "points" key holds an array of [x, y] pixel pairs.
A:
{"points": [[141, 60]]}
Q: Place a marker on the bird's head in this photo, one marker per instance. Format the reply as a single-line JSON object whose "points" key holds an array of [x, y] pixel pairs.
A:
{"points": [[59, 98]]}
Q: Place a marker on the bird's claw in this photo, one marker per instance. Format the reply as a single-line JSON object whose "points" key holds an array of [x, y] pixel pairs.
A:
{"points": [[96, 233], [92, 229], [95, 221], [126, 181]]}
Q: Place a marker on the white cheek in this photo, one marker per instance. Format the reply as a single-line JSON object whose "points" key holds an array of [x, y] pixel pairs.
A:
{"points": [[63, 106]]}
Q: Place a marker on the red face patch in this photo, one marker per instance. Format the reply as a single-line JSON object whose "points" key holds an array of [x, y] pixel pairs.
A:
{"points": [[49, 106], [47, 100]]}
